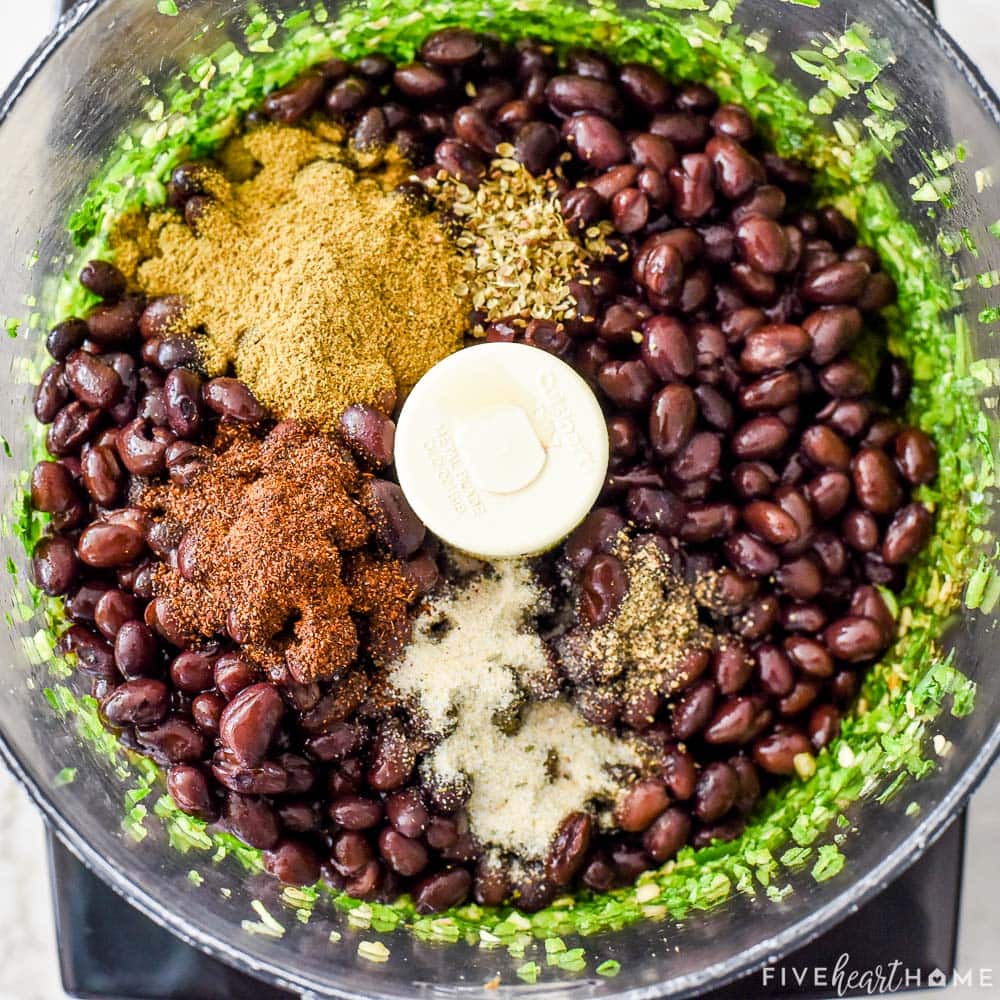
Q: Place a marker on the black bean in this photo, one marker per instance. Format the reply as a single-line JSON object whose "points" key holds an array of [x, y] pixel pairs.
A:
{"points": [[894, 381], [252, 820], [772, 347], [597, 533], [854, 639], [715, 792], [189, 789], [142, 702], [104, 545], [693, 709], [535, 145], [392, 758], [836, 284], [103, 279], [54, 565], [192, 672], [472, 127], [603, 585], [681, 128], [774, 671], [628, 384], [232, 400], [753, 480], [173, 741], [672, 418], [731, 722], [641, 804], [182, 396], [292, 862], [697, 459], [397, 527], [691, 182], [66, 337], [763, 244], [450, 47], [776, 753], [704, 522], [142, 451], [135, 650], [770, 522], [629, 210], [810, 656], [772, 392], [570, 94], [249, 722], [828, 493], [825, 448], [442, 891], [113, 325], [845, 379], [101, 474], [658, 266], [731, 667], [206, 710], [750, 555], [52, 394], [736, 171], [596, 141], [52, 488], [733, 122], [666, 349], [644, 86], [420, 81], [652, 151], [876, 484], [293, 102], [916, 456], [355, 812], [761, 437], [403, 855], [907, 534], [162, 317]]}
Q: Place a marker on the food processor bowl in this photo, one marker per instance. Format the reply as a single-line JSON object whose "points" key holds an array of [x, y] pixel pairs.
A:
{"points": [[95, 78]]}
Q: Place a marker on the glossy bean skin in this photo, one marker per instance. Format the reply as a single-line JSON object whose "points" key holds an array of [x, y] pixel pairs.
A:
{"points": [[54, 565], [189, 789], [137, 703], [249, 721], [875, 481], [641, 804], [907, 534]]}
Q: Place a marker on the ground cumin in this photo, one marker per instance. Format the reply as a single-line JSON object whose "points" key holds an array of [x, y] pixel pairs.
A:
{"points": [[312, 277], [273, 551]]}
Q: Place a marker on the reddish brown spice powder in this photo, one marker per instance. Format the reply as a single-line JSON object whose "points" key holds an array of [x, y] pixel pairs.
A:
{"points": [[274, 552]]}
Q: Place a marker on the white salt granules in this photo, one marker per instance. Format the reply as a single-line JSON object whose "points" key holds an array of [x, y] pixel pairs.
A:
{"points": [[471, 659]]}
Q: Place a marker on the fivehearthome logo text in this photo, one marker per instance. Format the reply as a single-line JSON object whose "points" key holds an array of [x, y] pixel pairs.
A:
{"points": [[843, 979]]}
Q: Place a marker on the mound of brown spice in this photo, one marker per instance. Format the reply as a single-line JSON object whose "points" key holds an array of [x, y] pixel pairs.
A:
{"points": [[273, 551], [310, 275]]}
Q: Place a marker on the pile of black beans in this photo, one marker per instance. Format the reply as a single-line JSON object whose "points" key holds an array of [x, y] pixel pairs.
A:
{"points": [[718, 339]]}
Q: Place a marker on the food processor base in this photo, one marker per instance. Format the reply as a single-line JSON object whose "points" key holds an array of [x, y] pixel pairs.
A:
{"points": [[914, 922]]}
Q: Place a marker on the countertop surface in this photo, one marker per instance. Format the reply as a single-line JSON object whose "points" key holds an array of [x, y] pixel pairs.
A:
{"points": [[28, 966]]}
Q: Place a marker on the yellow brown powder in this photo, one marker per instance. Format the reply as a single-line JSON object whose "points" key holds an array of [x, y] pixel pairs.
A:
{"points": [[312, 277]]}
